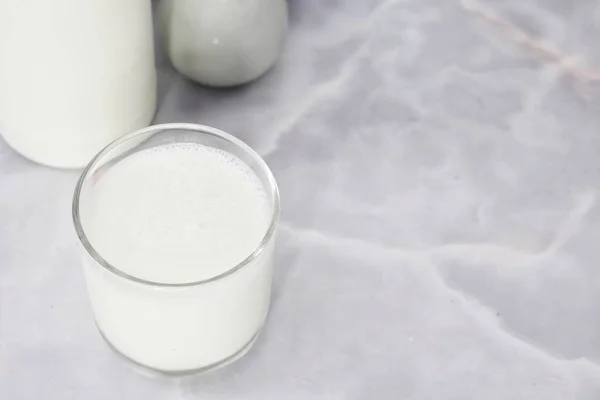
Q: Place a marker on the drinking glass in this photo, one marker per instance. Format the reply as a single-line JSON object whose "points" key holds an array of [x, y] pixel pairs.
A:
{"points": [[182, 327]]}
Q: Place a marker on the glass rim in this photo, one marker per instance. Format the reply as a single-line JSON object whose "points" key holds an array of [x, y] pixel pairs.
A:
{"points": [[89, 248]]}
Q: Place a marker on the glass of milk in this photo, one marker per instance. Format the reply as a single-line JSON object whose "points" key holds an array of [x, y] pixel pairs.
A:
{"points": [[177, 226]]}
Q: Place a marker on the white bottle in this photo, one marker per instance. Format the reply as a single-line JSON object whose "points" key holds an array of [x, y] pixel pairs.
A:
{"points": [[74, 75], [223, 43]]}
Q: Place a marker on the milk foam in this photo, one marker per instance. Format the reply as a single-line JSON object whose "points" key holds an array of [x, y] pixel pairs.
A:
{"points": [[177, 213]]}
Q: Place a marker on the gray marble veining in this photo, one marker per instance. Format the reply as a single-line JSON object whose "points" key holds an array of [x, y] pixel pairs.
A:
{"points": [[439, 165]]}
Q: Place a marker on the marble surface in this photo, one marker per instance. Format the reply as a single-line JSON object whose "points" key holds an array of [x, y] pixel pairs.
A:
{"points": [[439, 164]]}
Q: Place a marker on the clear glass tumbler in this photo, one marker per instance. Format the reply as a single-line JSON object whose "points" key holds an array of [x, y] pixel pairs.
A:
{"points": [[177, 328]]}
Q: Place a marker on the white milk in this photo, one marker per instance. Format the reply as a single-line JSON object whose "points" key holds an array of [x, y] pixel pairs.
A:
{"points": [[178, 213], [74, 75]]}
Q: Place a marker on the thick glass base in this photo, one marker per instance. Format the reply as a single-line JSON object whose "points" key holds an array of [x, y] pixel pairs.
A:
{"points": [[157, 373]]}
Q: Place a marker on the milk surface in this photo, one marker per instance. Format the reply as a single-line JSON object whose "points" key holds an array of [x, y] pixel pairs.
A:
{"points": [[175, 214], [178, 213], [74, 76]]}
